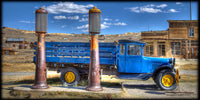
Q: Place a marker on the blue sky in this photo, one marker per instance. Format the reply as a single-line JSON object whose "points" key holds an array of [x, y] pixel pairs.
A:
{"points": [[116, 17]]}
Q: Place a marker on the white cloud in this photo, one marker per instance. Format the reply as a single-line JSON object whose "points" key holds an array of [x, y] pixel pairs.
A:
{"points": [[151, 5], [107, 19], [83, 26], [120, 23], [173, 10], [103, 26], [148, 8], [152, 9], [59, 17], [26, 22], [63, 26], [178, 3], [36, 7], [73, 17], [86, 30], [116, 19], [85, 15], [105, 23], [68, 7], [162, 6], [83, 20], [135, 9]]}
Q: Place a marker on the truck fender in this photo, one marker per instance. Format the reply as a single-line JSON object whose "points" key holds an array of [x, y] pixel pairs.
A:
{"points": [[155, 72]]}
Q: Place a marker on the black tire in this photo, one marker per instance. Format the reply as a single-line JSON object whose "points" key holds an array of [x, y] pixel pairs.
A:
{"points": [[72, 71], [161, 84], [154, 79]]}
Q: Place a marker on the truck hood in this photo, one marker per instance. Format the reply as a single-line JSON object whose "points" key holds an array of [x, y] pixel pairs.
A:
{"points": [[157, 59]]}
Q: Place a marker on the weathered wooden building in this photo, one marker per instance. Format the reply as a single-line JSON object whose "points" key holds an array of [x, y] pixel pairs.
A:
{"points": [[9, 51], [17, 43], [180, 40]]}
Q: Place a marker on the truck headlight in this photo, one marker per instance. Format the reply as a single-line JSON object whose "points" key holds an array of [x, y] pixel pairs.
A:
{"points": [[172, 60]]}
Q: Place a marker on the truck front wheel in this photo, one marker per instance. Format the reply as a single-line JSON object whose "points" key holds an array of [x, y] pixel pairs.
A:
{"points": [[70, 76], [166, 80]]}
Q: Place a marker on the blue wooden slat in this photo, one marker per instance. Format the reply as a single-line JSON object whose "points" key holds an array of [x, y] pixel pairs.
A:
{"points": [[74, 52]]}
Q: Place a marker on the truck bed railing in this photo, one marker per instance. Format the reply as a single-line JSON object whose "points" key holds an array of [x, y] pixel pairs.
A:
{"points": [[78, 52]]}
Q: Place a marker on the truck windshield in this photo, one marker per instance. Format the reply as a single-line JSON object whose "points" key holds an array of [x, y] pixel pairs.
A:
{"points": [[134, 49]]}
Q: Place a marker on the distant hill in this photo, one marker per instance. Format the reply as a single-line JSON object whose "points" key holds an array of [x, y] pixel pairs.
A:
{"points": [[31, 36]]}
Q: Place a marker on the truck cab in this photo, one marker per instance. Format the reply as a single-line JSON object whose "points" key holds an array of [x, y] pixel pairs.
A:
{"points": [[133, 65]]}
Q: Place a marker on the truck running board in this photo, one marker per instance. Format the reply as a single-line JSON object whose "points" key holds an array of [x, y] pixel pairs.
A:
{"points": [[134, 76]]}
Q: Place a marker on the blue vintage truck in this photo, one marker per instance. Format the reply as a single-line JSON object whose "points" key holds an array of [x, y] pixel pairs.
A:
{"points": [[123, 58]]}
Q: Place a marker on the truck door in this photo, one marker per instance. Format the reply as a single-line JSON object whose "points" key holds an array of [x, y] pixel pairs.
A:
{"points": [[133, 58], [122, 58]]}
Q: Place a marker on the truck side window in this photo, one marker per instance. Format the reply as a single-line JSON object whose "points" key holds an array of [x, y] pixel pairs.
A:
{"points": [[134, 49], [122, 49]]}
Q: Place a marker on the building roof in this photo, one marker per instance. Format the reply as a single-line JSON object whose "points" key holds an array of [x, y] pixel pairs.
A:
{"points": [[154, 33], [133, 41], [180, 21], [15, 39], [7, 48]]}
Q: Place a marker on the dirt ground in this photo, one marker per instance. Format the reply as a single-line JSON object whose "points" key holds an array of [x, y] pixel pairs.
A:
{"points": [[23, 74]]}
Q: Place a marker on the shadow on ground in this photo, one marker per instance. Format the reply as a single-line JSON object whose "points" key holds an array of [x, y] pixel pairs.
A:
{"points": [[150, 89]]}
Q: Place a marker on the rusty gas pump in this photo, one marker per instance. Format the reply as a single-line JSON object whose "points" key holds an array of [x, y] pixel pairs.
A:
{"points": [[41, 29], [94, 83]]}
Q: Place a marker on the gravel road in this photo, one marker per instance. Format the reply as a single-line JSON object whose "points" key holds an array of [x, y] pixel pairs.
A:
{"points": [[188, 72]]}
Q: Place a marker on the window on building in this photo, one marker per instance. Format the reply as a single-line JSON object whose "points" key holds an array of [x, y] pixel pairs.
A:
{"points": [[194, 42], [192, 51], [149, 49], [161, 49], [183, 51], [134, 49], [196, 51], [176, 48], [191, 32], [122, 49]]}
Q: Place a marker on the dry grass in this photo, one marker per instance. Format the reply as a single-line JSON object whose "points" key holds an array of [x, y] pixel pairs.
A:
{"points": [[18, 67]]}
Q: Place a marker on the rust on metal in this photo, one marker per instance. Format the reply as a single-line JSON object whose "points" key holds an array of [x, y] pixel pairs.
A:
{"points": [[41, 10], [94, 67], [94, 83], [40, 73]]}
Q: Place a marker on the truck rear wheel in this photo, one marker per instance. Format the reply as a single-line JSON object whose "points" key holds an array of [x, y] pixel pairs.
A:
{"points": [[166, 80], [70, 76]]}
